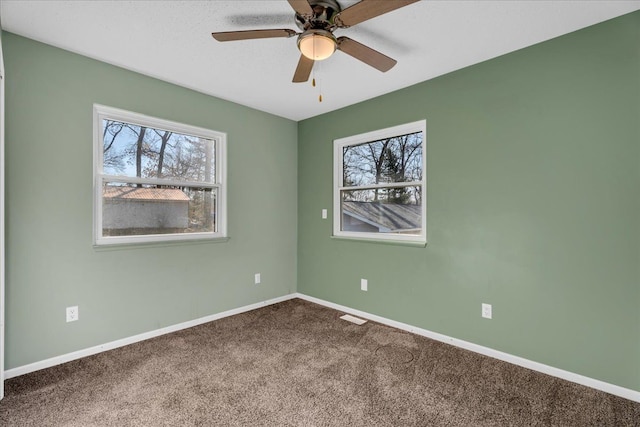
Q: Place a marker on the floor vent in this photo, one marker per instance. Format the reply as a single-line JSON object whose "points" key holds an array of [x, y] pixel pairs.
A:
{"points": [[350, 318]]}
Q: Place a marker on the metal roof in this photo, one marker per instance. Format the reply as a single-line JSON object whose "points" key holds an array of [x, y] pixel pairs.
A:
{"points": [[386, 215], [141, 193]]}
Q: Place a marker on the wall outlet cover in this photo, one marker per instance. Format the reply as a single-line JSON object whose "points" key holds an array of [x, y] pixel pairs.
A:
{"points": [[486, 311], [72, 314], [364, 284]]}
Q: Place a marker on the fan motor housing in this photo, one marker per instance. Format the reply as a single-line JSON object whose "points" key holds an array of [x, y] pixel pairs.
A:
{"points": [[323, 14]]}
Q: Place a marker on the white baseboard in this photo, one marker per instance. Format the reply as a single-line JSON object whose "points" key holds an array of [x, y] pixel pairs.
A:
{"points": [[506, 357], [47, 363]]}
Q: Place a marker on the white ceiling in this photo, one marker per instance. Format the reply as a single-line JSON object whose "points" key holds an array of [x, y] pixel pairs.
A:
{"points": [[171, 40]]}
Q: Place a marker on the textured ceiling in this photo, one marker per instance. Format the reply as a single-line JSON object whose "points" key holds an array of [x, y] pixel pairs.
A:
{"points": [[171, 40]]}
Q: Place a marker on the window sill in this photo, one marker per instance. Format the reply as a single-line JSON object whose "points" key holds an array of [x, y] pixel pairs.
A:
{"points": [[382, 241], [167, 243]]}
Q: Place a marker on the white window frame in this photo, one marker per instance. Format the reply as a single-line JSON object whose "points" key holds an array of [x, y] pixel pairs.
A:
{"points": [[102, 112], [338, 185]]}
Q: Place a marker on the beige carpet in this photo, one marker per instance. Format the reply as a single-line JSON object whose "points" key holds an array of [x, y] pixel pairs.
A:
{"points": [[297, 364]]}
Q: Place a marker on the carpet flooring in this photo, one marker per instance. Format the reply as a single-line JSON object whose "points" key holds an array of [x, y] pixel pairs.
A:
{"points": [[297, 364]]}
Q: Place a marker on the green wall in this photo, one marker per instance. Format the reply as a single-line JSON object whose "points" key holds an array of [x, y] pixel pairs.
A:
{"points": [[51, 263], [533, 206]]}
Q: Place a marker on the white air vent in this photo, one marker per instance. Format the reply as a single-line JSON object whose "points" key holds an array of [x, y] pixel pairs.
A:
{"points": [[350, 318]]}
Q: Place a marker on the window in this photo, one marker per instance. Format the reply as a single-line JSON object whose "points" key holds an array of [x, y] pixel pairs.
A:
{"points": [[156, 180], [380, 185]]}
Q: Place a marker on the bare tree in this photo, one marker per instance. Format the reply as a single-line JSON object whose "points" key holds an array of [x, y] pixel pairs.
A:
{"points": [[139, 150], [111, 158], [390, 160], [164, 139]]}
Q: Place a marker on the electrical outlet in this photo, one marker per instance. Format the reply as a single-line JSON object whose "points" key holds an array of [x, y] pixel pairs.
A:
{"points": [[486, 311], [72, 314], [257, 278], [324, 214], [364, 284]]}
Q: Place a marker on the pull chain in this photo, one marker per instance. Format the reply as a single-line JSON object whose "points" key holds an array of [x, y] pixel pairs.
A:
{"points": [[313, 83]]}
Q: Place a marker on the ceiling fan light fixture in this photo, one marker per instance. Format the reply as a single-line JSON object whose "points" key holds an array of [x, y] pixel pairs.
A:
{"points": [[317, 44]]}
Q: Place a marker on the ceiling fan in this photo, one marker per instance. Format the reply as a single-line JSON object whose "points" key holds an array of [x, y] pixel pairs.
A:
{"points": [[318, 19]]}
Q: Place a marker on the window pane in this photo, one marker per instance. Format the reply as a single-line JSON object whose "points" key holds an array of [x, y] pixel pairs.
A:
{"points": [[131, 210], [383, 210], [138, 151], [395, 159]]}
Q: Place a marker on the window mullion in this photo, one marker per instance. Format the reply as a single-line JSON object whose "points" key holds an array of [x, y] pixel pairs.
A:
{"points": [[383, 185], [157, 181]]}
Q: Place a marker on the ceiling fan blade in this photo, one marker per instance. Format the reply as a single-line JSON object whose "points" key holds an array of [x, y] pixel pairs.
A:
{"points": [[302, 7], [303, 70], [228, 36], [365, 54], [367, 9]]}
